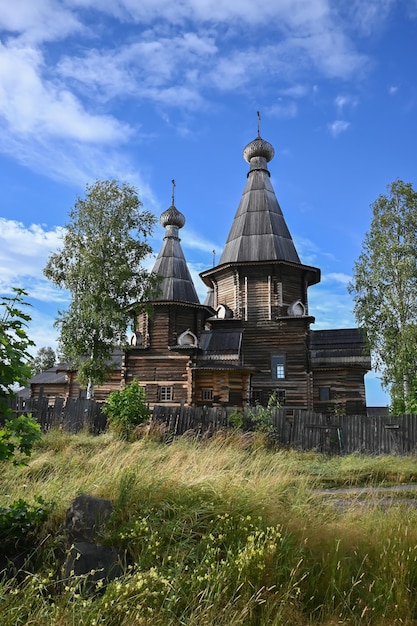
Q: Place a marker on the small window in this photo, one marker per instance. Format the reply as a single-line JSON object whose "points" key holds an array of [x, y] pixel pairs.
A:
{"points": [[165, 394], [324, 394], [207, 395], [280, 395], [278, 366]]}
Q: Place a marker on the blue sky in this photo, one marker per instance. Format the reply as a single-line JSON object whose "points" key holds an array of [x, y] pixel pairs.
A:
{"points": [[147, 91]]}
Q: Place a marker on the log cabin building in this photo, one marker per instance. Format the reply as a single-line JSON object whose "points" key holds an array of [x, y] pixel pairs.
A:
{"points": [[252, 336]]}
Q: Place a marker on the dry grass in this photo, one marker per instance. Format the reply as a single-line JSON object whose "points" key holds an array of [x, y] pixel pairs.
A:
{"points": [[224, 532]]}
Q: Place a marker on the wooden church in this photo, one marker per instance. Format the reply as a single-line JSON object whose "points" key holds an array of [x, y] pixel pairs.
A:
{"points": [[251, 337]]}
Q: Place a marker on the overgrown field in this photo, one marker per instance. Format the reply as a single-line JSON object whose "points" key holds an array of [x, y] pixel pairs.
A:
{"points": [[223, 532]]}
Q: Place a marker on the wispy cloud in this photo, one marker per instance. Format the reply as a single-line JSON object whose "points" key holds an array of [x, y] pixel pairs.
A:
{"points": [[337, 127], [331, 307], [24, 252], [337, 277], [60, 112], [32, 105], [344, 101]]}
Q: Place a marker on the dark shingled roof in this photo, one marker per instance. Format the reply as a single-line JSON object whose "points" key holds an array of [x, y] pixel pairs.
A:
{"points": [[339, 347], [221, 341], [57, 374], [259, 231], [177, 284], [52, 376]]}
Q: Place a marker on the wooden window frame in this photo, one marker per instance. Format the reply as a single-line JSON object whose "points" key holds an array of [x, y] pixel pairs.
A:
{"points": [[207, 395], [324, 394], [278, 366], [166, 393]]}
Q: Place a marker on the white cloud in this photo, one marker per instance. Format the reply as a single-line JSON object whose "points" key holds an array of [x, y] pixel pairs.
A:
{"points": [[343, 102], [31, 105], [296, 12], [151, 68], [332, 308], [38, 21], [392, 90], [338, 277], [60, 111], [367, 17], [194, 241], [337, 127], [24, 252]]}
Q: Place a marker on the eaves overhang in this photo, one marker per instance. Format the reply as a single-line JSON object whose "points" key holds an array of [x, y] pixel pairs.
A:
{"points": [[313, 274], [180, 303]]}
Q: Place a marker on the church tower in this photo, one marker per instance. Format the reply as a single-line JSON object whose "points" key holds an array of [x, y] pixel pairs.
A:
{"points": [[166, 333], [260, 286]]}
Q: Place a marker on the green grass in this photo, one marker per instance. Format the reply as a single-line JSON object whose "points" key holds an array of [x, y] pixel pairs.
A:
{"points": [[222, 532]]}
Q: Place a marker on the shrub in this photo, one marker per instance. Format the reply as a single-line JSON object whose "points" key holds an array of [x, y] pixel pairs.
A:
{"points": [[258, 418], [126, 409], [19, 523], [18, 434]]}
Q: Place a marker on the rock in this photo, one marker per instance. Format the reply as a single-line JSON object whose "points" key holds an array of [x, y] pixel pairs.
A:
{"points": [[82, 530], [86, 518], [95, 561]]}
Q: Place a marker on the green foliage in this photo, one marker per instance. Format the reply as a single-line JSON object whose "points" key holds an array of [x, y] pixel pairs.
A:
{"points": [[17, 434], [258, 418], [100, 263], [44, 360], [14, 344], [20, 522], [126, 409], [384, 288]]}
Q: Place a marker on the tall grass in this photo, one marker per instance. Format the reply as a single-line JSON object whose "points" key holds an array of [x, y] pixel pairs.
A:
{"points": [[223, 532]]}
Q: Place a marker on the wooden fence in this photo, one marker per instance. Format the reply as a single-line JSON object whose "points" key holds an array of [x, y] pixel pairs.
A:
{"points": [[68, 414], [297, 429], [306, 430]]}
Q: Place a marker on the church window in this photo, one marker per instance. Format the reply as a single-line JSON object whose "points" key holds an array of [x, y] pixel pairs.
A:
{"points": [[278, 366], [207, 395], [166, 394], [324, 394]]}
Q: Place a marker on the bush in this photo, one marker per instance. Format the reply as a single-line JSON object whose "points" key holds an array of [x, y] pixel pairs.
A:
{"points": [[126, 409], [18, 434], [258, 418], [19, 523]]}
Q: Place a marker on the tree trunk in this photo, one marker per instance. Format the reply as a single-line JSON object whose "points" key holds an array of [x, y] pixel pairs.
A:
{"points": [[90, 390]]}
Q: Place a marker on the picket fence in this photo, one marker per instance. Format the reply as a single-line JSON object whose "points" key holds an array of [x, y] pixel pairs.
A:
{"points": [[302, 430]]}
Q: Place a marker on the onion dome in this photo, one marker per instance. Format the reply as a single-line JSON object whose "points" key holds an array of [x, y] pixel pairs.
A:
{"points": [[172, 217], [259, 148]]}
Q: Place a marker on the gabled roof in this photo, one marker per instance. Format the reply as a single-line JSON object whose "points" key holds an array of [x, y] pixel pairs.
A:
{"points": [[57, 374], [177, 284], [259, 231], [52, 376]]}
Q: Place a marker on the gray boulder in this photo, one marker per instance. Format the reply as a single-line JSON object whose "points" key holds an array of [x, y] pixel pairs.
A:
{"points": [[86, 518], [95, 561], [83, 529]]}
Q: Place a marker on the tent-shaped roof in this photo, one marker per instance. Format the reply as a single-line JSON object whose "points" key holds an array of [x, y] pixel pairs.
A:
{"points": [[177, 284], [259, 231]]}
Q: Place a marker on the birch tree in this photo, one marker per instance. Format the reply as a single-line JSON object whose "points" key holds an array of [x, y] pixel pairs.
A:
{"points": [[384, 289], [101, 264]]}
